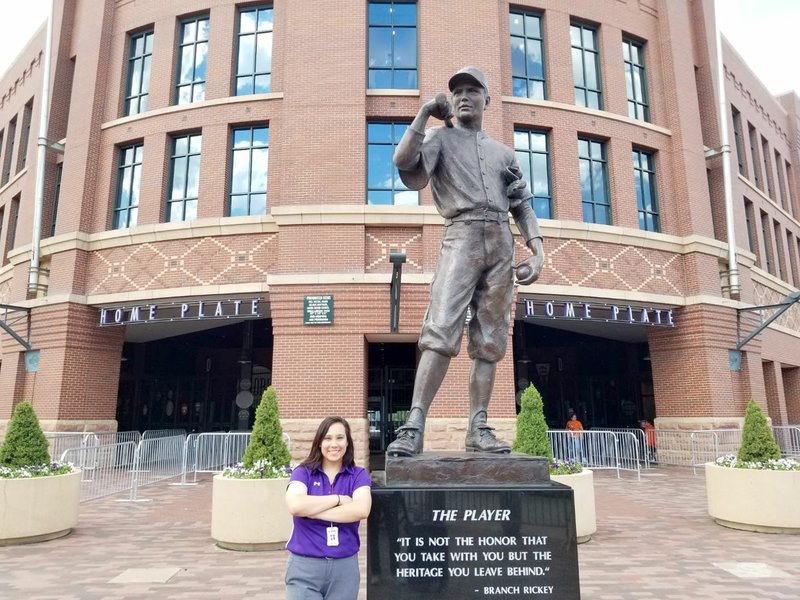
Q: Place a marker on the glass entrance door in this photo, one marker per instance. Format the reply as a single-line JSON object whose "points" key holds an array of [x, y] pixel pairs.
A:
{"points": [[390, 386], [389, 403]]}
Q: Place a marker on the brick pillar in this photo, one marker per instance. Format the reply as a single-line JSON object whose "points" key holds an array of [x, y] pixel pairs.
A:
{"points": [[791, 388], [692, 379], [773, 386]]}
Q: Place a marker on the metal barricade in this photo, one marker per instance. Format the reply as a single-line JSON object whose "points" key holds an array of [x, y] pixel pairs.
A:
{"points": [[159, 433], [674, 447], [157, 459], [189, 458], [596, 449], [628, 452], [60, 441], [105, 469], [788, 438], [705, 445], [215, 451], [117, 437], [694, 448]]}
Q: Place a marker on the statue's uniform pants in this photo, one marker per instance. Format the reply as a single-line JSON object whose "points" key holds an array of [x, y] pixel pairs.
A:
{"points": [[474, 270]]}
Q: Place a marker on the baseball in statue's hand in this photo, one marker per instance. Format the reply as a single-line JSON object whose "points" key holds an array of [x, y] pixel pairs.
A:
{"points": [[529, 269], [524, 271], [443, 108]]}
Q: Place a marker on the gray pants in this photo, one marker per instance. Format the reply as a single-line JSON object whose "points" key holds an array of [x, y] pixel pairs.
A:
{"points": [[322, 578]]}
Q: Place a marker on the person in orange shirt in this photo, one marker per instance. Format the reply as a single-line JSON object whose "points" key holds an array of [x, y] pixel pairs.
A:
{"points": [[575, 427]]}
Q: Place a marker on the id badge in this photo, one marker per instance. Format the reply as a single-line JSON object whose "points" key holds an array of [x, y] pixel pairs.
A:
{"points": [[333, 536]]}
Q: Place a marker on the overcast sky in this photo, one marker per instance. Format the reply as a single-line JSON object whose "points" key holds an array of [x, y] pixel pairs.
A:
{"points": [[762, 31]]}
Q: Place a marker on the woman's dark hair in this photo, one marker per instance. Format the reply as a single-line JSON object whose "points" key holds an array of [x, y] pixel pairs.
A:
{"points": [[314, 459]]}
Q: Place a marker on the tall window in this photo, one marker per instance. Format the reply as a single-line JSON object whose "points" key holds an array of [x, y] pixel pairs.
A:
{"points": [[594, 181], [527, 64], [129, 180], [13, 218], [12, 133], [737, 136], [254, 54], [184, 178], [754, 155], [249, 162], [765, 234], [791, 244], [749, 218], [767, 167], [789, 192], [392, 45], [781, 174], [192, 51], [586, 66], [532, 149], [776, 227], [56, 196], [635, 80], [25, 134], [2, 135], [644, 179], [140, 59], [383, 181], [797, 275]]}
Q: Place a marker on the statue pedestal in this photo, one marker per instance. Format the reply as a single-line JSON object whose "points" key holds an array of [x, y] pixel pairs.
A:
{"points": [[466, 525]]}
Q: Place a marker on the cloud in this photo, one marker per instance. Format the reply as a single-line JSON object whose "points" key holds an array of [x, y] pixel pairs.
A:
{"points": [[764, 34]]}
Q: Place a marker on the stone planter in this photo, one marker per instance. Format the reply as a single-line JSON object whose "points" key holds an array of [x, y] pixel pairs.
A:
{"points": [[39, 508], [250, 514], [754, 500], [582, 485]]}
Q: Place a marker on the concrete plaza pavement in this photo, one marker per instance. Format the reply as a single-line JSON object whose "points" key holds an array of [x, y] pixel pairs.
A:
{"points": [[654, 541]]}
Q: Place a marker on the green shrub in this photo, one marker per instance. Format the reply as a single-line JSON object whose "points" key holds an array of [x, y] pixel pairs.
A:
{"points": [[266, 441], [531, 435], [25, 444], [758, 444]]}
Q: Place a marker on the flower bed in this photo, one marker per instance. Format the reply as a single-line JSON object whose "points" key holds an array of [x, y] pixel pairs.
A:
{"points": [[46, 470], [261, 469], [773, 464], [565, 467]]}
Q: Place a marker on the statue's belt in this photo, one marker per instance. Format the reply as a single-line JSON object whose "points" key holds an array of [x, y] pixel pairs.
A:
{"points": [[479, 214]]}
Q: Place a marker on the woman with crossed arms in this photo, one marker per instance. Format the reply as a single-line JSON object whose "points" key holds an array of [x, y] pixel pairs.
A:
{"points": [[328, 495]]}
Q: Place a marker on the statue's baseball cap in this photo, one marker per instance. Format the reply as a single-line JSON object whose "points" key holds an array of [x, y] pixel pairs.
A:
{"points": [[470, 73]]}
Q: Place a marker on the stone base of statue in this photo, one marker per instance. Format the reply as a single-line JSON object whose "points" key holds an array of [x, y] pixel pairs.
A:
{"points": [[466, 525]]}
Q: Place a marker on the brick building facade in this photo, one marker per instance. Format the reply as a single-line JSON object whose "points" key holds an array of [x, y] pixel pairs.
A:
{"points": [[217, 153]]}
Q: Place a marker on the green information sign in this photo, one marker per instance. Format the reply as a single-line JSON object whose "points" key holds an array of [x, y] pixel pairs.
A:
{"points": [[318, 310]]}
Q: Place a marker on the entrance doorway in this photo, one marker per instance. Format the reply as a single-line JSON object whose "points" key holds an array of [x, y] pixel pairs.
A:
{"points": [[391, 369], [608, 383], [195, 381]]}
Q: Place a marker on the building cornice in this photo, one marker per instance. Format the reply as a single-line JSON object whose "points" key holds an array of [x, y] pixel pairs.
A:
{"points": [[354, 214], [590, 112], [194, 106]]}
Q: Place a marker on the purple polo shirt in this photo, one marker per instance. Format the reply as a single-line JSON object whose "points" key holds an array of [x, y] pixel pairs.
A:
{"points": [[309, 536]]}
